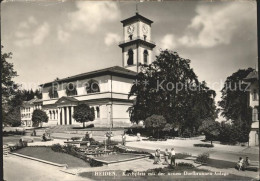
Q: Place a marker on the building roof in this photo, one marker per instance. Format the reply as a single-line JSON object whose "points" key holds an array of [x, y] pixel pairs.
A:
{"points": [[115, 70], [136, 17], [252, 76], [31, 102], [64, 99]]}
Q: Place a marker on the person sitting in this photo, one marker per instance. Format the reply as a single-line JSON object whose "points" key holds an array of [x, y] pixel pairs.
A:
{"points": [[240, 163], [246, 163], [44, 138]]}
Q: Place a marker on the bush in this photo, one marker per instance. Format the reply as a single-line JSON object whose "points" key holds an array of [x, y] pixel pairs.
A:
{"points": [[56, 147], [18, 146], [90, 126], [75, 138], [203, 158], [95, 163], [185, 165], [186, 133], [178, 167], [182, 155], [16, 132], [204, 145]]}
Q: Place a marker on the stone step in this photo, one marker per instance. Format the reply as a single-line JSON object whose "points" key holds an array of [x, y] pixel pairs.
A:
{"points": [[6, 150]]}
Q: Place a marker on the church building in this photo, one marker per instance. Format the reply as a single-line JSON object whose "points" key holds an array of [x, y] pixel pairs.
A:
{"points": [[106, 90]]}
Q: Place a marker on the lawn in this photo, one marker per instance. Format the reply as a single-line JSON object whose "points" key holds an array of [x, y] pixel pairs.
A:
{"points": [[46, 153], [11, 139], [221, 163], [116, 157], [15, 138]]}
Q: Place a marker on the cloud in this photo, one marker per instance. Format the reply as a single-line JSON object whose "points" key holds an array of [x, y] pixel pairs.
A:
{"points": [[63, 36], [168, 42], [90, 15], [29, 34], [111, 38], [40, 34], [215, 25], [28, 23]]}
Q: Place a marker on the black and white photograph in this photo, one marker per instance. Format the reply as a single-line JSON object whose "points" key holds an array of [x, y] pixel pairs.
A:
{"points": [[130, 90]]}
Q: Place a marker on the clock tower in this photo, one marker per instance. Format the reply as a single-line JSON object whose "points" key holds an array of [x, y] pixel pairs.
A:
{"points": [[137, 46]]}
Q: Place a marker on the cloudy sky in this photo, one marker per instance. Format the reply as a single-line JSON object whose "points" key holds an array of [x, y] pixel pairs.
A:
{"points": [[60, 39]]}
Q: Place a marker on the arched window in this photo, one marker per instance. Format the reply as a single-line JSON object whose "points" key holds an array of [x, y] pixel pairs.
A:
{"points": [[71, 89], [145, 57], [98, 112], [92, 86], [53, 93], [130, 60]]}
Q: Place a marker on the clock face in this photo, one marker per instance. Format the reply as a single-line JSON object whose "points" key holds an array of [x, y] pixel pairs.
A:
{"points": [[145, 29], [130, 29]]}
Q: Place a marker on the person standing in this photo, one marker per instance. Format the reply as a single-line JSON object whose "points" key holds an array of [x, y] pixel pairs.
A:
{"points": [[166, 157], [155, 157], [123, 139], [90, 135], [172, 157]]}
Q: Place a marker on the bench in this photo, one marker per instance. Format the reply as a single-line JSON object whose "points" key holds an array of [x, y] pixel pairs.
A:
{"points": [[254, 166]]}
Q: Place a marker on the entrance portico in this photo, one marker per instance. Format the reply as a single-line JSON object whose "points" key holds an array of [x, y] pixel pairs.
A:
{"points": [[66, 110]]}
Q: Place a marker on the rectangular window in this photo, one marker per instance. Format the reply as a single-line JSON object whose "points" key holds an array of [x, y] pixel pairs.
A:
{"points": [[254, 95], [255, 114]]}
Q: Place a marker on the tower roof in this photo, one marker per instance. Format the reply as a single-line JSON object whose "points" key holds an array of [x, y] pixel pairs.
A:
{"points": [[136, 17]]}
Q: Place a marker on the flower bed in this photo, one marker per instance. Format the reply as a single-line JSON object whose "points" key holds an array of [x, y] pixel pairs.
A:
{"points": [[74, 151]]}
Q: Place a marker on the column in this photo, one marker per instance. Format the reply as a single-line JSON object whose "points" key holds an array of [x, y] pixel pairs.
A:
{"points": [[63, 116], [58, 116], [68, 115], [72, 112]]}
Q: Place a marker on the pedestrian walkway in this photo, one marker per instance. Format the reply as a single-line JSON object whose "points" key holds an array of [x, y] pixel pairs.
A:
{"points": [[47, 143]]}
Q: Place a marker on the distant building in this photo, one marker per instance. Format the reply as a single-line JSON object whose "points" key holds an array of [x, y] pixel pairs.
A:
{"points": [[27, 110], [253, 79], [105, 90]]}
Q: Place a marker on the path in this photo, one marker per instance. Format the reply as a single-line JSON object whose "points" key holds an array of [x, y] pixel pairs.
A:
{"points": [[220, 152], [22, 169]]}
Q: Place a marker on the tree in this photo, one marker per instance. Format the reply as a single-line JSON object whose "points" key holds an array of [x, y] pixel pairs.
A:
{"points": [[155, 122], [234, 103], [13, 117], [169, 87], [39, 117], [8, 73], [211, 129], [83, 113]]}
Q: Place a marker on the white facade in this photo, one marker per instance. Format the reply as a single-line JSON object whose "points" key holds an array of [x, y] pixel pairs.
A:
{"points": [[110, 102], [27, 109], [252, 79]]}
